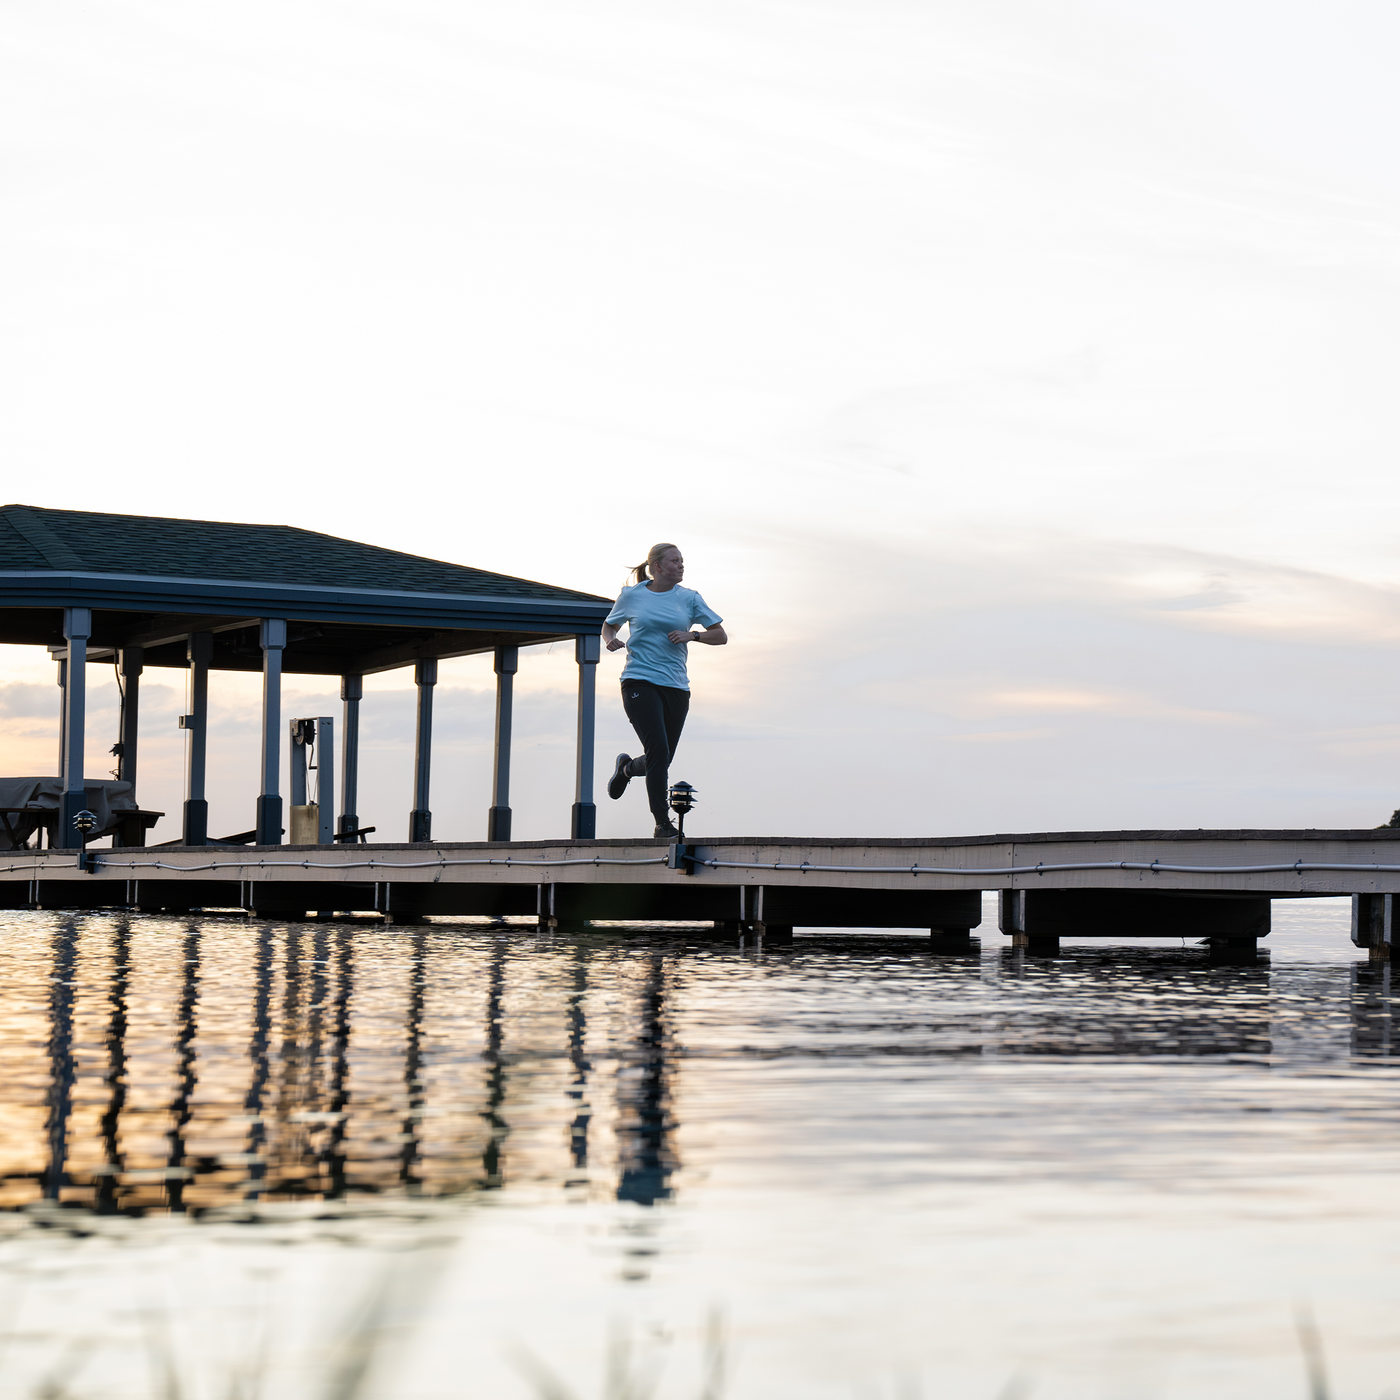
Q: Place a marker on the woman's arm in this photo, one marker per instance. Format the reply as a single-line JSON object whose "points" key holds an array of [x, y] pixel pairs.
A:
{"points": [[610, 631], [714, 636]]}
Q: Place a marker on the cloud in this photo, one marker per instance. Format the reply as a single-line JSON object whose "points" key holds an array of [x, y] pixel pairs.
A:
{"points": [[21, 700], [1019, 393]]}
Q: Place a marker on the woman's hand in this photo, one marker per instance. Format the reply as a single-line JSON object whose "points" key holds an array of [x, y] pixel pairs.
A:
{"points": [[610, 638], [712, 636]]}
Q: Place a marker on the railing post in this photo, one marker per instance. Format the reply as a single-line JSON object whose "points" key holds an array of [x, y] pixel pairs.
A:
{"points": [[77, 628], [584, 825], [498, 818], [273, 638], [420, 820]]}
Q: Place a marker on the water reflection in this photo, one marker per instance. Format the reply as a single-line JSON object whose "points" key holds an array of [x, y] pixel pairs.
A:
{"points": [[1371, 1010], [580, 1065], [492, 1176], [105, 1201], [62, 983], [253, 1152], [413, 1068], [332, 1155], [180, 1106], [645, 1151], [196, 1064], [1159, 998]]}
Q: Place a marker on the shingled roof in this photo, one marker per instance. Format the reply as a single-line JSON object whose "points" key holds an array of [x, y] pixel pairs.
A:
{"points": [[35, 538]]}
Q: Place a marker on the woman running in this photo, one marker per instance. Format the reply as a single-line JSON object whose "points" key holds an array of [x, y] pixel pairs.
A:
{"points": [[655, 687]]}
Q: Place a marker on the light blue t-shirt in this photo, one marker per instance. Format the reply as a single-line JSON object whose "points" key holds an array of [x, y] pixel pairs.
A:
{"points": [[651, 656]]}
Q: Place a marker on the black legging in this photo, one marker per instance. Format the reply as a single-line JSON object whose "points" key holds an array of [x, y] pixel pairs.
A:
{"points": [[658, 715]]}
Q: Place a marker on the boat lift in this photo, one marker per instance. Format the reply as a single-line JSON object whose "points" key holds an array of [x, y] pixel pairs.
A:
{"points": [[313, 751]]}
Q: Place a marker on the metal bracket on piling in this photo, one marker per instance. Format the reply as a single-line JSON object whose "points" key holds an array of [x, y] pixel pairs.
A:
{"points": [[682, 858]]}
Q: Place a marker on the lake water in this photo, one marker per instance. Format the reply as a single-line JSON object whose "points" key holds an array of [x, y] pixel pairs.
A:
{"points": [[243, 1158]]}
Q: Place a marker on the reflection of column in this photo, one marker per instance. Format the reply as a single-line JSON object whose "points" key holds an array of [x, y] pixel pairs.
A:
{"points": [[578, 1057], [304, 1088], [106, 1198], [492, 1173], [62, 1067], [291, 1057], [646, 1155], [257, 1053], [413, 1070], [317, 993], [1371, 1016], [180, 1110], [333, 1152]]}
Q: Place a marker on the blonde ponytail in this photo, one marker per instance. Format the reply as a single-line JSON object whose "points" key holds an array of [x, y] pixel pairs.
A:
{"points": [[642, 573]]}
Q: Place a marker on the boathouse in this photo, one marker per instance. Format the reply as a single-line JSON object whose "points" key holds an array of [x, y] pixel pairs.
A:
{"points": [[200, 595]]}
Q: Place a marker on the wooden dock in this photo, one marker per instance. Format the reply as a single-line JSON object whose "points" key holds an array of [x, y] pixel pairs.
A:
{"points": [[1212, 885]]}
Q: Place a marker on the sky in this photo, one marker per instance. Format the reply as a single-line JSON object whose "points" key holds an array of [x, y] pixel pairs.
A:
{"points": [[1017, 380]]}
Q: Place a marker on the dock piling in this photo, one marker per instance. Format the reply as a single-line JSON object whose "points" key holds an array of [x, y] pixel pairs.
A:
{"points": [[1372, 924]]}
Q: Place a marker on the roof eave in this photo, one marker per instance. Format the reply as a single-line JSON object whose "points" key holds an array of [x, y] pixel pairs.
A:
{"points": [[38, 588]]}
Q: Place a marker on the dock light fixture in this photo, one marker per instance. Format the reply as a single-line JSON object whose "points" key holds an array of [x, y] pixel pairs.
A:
{"points": [[85, 823], [682, 797]]}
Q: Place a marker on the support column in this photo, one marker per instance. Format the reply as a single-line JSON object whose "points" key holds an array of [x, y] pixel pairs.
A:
{"points": [[199, 651], [60, 656], [77, 628], [130, 664], [420, 819], [352, 689], [273, 638], [498, 819], [584, 826]]}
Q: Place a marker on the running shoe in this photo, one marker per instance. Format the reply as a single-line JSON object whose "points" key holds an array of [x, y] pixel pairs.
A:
{"points": [[666, 831], [617, 784]]}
